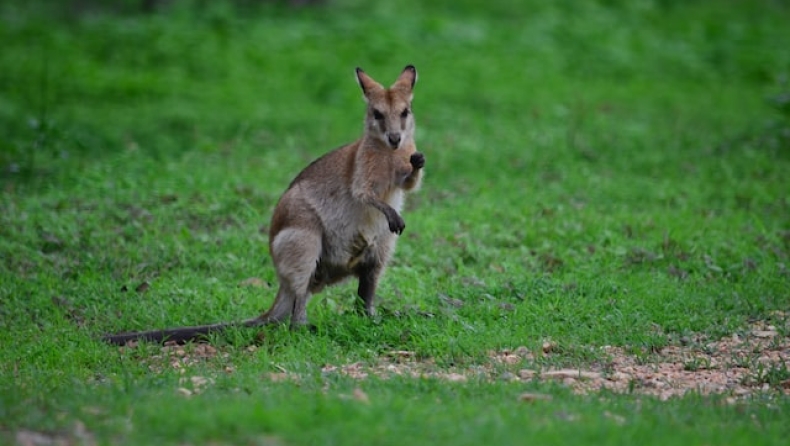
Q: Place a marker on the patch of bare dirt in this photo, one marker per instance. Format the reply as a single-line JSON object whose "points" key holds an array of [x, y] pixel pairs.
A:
{"points": [[179, 357], [739, 365], [736, 366]]}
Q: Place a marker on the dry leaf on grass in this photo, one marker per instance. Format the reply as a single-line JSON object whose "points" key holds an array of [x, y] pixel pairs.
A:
{"points": [[255, 282], [79, 435], [525, 374], [619, 419], [197, 384], [532, 397], [280, 377], [566, 416], [357, 395], [570, 373], [453, 377], [523, 352], [361, 396], [32, 438], [511, 359], [401, 354], [184, 391]]}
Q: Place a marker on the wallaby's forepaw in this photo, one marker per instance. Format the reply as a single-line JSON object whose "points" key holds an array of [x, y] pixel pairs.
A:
{"points": [[417, 160], [396, 223]]}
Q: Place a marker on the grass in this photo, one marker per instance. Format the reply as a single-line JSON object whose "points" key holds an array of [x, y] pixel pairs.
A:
{"points": [[598, 173]]}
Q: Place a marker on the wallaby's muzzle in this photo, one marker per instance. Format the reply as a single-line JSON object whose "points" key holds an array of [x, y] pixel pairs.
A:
{"points": [[394, 139]]}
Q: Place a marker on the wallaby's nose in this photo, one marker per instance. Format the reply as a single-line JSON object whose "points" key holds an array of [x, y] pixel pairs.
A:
{"points": [[394, 139]]}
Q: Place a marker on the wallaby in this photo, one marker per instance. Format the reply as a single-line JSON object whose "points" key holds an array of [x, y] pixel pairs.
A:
{"points": [[339, 216]]}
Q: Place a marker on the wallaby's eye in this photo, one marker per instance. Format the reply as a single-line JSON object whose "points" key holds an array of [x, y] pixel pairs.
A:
{"points": [[404, 113], [377, 115]]}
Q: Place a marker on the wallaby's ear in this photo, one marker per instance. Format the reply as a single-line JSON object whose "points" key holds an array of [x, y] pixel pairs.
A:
{"points": [[407, 78], [366, 82]]}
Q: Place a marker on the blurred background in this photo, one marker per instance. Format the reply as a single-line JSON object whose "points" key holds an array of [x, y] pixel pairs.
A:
{"points": [[86, 78]]}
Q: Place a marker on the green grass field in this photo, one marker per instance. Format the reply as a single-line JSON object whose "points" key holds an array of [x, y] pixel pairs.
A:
{"points": [[606, 183]]}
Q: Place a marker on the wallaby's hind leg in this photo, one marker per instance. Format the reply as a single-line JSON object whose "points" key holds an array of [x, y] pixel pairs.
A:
{"points": [[281, 308], [368, 281], [296, 253], [299, 313]]}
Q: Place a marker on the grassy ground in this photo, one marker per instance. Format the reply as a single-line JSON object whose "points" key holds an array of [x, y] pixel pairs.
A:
{"points": [[598, 173]]}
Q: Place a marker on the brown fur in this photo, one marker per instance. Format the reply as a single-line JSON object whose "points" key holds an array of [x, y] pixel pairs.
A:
{"points": [[339, 217]]}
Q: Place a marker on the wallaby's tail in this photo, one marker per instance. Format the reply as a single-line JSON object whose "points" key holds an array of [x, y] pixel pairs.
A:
{"points": [[178, 335]]}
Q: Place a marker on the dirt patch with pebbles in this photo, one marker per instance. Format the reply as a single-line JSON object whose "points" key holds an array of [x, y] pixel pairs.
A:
{"points": [[736, 366], [179, 357], [755, 361]]}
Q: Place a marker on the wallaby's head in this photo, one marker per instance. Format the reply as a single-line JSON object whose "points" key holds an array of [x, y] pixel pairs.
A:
{"points": [[389, 116]]}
